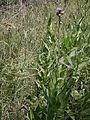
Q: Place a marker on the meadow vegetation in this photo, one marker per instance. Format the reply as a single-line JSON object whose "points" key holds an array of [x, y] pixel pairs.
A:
{"points": [[44, 62]]}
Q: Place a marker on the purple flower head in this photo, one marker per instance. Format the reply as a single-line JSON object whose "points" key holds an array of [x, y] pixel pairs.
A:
{"points": [[59, 11]]}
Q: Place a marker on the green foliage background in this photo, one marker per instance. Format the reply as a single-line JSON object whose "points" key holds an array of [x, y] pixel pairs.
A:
{"points": [[5, 2], [44, 68]]}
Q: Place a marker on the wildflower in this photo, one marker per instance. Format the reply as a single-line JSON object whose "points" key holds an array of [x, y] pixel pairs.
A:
{"points": [[59, 11]]}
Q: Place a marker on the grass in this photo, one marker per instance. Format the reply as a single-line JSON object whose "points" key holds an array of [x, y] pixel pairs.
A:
{"points": [[45, 73]]}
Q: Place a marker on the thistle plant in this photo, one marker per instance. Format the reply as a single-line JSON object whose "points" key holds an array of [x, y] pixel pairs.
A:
{"points": [[61, 66]]}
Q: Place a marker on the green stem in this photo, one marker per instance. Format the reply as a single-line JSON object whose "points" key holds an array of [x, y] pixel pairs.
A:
{"points": [[59, 25]]}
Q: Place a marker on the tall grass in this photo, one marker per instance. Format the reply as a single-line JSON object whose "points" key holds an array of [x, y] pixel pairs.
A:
{"points": [[45, 72]]}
